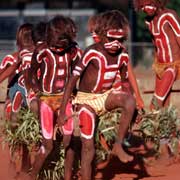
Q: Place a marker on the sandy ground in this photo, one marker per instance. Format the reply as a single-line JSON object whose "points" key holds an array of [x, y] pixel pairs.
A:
{"points": [[115, 170], [7, 171]]}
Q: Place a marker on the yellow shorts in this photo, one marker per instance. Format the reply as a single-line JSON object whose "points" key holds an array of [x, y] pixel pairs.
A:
{"points": [[52, 100], [159, 68], [96, 101]]}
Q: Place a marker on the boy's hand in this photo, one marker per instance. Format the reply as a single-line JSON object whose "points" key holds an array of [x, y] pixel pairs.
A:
{"points": [[61, 119], [140, 103]]}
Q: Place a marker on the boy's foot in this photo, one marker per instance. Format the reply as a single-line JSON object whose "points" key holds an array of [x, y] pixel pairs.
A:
{"points": [[121, 154]]}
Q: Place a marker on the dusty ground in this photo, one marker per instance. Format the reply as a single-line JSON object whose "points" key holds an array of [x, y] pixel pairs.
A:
{"points": [[115, 170]]}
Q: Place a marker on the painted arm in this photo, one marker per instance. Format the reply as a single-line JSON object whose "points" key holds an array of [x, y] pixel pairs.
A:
{"points": [[133, 82], [67, 95], [33, 71], [8, 66], [7, 72], [173, 21], [71, 84]]}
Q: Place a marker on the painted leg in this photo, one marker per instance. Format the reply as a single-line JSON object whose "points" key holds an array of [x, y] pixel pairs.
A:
{"points": [[163, 87]]}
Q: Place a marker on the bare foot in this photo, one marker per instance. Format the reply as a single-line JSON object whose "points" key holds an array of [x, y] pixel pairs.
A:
{"points": [[121, 154]]}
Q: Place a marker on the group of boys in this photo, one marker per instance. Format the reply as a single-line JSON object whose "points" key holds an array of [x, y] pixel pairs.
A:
{"points": [[92, 82]]}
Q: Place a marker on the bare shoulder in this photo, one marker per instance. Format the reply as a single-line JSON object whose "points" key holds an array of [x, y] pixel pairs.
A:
{"points": [[169, 12]]}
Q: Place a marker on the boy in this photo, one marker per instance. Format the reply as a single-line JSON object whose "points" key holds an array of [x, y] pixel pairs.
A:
{"points": [[97, 71], [164, 27], [54, 59]]}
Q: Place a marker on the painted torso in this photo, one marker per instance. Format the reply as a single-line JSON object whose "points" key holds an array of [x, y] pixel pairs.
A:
{"points": [[55, 70], [164, 27], [101, 70]]}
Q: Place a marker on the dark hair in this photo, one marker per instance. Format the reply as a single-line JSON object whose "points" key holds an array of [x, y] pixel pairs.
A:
{"points": [[39, 32], [93, 23], [113, 19], [24, 36], [71, 28], [58, 29]]}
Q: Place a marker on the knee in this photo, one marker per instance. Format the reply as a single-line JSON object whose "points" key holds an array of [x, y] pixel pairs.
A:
{"points": [[34, 106], [130, 103], [47, 146], [88, 150], [14, 117]]}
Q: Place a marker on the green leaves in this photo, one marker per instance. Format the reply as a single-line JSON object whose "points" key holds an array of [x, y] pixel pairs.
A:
{"points": [[161, 125], [25, 131]]}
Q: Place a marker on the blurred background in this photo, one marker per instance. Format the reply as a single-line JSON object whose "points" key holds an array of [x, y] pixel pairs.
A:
{"points": [[15, 12]]}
